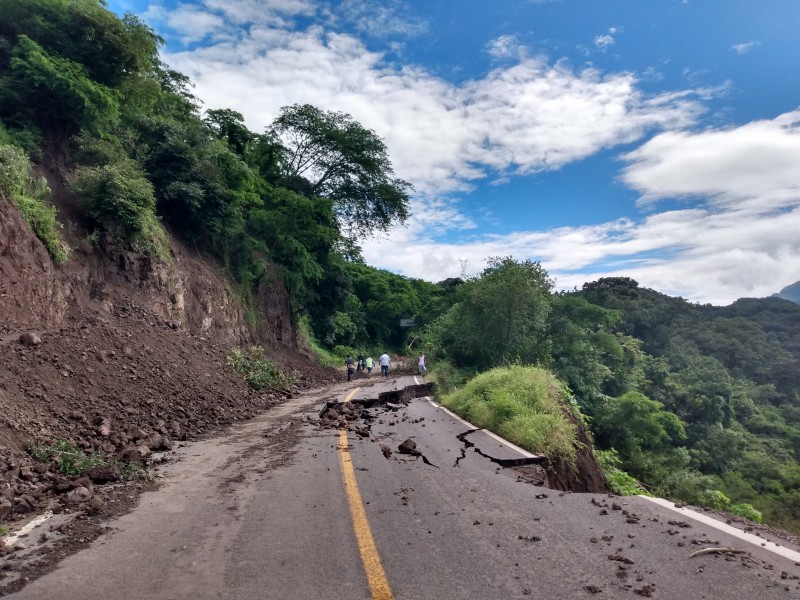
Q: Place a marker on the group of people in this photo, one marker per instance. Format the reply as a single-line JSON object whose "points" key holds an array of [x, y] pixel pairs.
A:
{"points": [[366, 363]]}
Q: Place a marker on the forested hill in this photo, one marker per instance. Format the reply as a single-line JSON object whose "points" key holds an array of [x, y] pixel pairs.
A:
{"points": [[791, 292], [732, 376]]}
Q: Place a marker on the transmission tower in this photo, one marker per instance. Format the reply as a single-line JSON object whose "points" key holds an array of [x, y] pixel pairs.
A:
{"points": [[464, 262]]}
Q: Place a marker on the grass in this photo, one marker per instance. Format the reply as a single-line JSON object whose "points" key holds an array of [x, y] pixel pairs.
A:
{"points": [[526, 405], [27, 193], [259, 371], [3, 530], [73, 460]]}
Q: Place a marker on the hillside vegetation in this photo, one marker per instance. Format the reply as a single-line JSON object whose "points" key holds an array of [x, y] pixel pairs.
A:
{"points": [[698, 403]]}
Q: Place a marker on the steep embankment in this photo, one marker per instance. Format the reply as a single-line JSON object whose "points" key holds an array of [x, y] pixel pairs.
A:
{"points": [[119, 356]]}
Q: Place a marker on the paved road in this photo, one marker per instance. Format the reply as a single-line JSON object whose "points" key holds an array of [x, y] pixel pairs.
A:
{"points": [[267, 512]]}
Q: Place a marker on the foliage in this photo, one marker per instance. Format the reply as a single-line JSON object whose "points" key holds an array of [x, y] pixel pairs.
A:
{"points": [[497, 319], [747, 511], [259, 371], [330, 155], [120, 198], [618, 480], [3, 530], [70, 458], [26, 192], [526, 405]]}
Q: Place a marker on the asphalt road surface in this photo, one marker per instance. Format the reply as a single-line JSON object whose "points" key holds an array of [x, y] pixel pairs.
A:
{"points": [[280, 508]]}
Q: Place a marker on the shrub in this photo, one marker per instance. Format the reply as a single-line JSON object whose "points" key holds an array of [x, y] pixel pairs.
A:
{"points": [[747, 511], [618, 480], [259, 372], [524, 404], [120, 198], [715, 499], [27, 192]]}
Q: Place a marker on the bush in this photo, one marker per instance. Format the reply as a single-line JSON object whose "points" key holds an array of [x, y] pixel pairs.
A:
{"points": [[715, 499], [526, 405], [120, 198], [747, 511], [618, 480], [259, 371], [27, 192]]}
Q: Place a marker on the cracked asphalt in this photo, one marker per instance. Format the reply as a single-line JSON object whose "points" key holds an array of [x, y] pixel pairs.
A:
{"points": [[262, 512]]}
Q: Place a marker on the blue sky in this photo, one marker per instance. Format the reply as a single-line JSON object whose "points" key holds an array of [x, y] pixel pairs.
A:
{"points": [[658, 140]]}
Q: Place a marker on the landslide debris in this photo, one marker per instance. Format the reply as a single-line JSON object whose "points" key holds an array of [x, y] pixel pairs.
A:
{"points": [[114, 391]]}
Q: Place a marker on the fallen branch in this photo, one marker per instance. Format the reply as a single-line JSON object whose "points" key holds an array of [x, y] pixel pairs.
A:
{"points": [[716, 551]]}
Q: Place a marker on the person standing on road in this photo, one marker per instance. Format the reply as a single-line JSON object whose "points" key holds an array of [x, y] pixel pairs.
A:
{"points": [[350, 363], [361, 364], [369, 364], [421, 365], [384, 360]]}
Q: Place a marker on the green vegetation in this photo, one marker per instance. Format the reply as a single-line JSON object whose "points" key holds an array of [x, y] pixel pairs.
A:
{"points": [[618, 480], [27, 192], [71, 459], [260, 372], [523, 404], [3, 530]]}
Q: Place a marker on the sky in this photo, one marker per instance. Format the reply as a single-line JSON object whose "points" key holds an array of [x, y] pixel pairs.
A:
{"points": [[656, 139]]}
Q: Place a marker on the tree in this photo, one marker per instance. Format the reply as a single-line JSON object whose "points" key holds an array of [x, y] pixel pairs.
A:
{"points": [[330, 155], [499, 317]]}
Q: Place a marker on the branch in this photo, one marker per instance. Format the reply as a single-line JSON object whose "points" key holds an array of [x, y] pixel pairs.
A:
{"points": [[716, 551]]}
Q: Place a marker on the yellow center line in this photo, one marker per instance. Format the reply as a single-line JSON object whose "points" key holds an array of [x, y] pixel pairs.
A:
{"points": [[351, 394], [376, 576]]}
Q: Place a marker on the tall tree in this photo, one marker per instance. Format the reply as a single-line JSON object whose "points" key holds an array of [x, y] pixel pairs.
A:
{"points": [[330, 155]]}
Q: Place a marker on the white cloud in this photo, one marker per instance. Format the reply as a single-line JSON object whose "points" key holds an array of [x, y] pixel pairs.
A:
{"points": [[603, 42], [740, 240], [379, 19], [522, 118], [754, 166], [506, 47], [745, 47]]}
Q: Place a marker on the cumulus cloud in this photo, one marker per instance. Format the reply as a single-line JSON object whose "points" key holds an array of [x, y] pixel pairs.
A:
{"points": [[521, 118], [751, 167], [739, 239], [506, 47]]}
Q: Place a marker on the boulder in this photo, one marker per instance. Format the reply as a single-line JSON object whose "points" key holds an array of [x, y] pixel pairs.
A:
{"points": [[104, 473], [30, 339], [79, 495]]}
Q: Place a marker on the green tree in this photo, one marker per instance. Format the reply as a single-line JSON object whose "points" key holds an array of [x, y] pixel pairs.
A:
{"points": [[330, 155], [499, 317]]}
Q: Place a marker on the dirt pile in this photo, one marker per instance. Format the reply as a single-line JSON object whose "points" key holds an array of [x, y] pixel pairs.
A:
{"points": [[122, 387]]}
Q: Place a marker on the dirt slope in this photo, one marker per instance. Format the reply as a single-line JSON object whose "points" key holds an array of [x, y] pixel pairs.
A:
{"points": [[120, 355]]}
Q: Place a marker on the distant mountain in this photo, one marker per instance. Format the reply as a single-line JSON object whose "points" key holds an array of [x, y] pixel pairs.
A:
{"points": [[790, 292]]}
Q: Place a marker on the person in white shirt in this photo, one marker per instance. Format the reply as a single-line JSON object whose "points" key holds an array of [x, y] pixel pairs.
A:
{"points": [[421, 365], [384, 360]]}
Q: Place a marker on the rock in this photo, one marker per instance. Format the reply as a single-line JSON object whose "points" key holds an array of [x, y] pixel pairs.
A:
{"points": [[131, 454], [78, 495], [22, 506], [30, 339], [5, 507], [387, 452], [159, 442], [407, 447], [104, 473]]}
